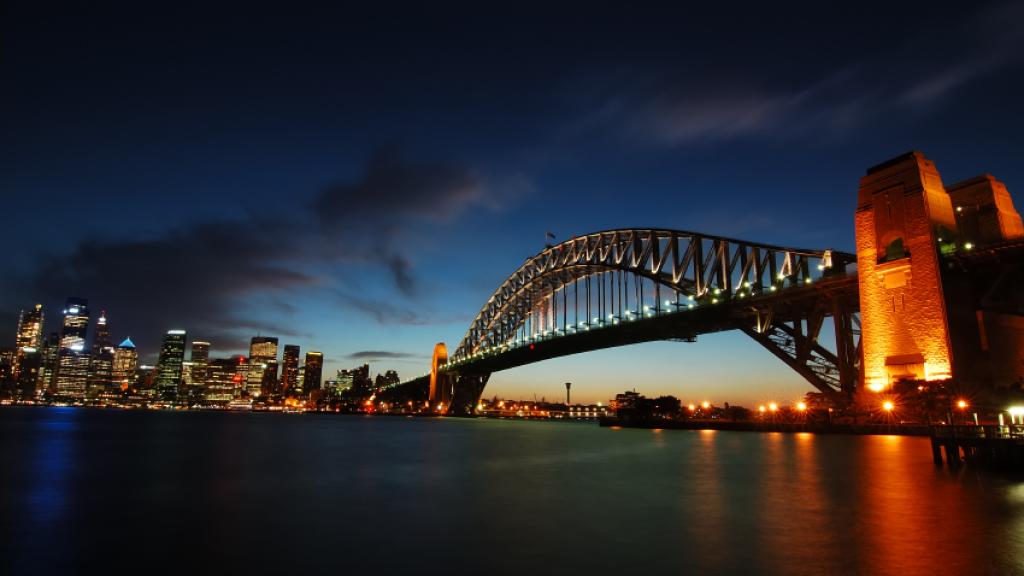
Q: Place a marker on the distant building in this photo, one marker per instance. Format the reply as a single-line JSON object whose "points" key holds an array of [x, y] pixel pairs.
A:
{"points": [[145, 377], [7, 356], [225, 380], [168, 365], [313, 372], [72, 357], [101, 366], [48, 369], [262, 377], [186, 374], [200, 359], [290, 370], [29, 335], [28, 363], [628, 400], [390, 378], [126, 360]]}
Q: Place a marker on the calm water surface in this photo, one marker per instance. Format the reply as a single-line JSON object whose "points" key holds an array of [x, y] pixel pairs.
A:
{"points": [[88, 491]]}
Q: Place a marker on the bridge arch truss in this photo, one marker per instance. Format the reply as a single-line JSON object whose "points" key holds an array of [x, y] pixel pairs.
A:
{"points": [[779, 296]]}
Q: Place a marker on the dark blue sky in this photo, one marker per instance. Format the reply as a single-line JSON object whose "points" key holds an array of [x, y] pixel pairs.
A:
{"points": [[359, 180]]}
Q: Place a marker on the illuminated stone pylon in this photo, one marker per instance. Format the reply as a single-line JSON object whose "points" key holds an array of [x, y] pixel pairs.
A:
{"points": [[904, 218], [440, 388]]}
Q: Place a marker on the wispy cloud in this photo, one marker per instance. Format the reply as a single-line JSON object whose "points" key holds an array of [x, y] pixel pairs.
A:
{"points": [[383, 355], [691, 105]]}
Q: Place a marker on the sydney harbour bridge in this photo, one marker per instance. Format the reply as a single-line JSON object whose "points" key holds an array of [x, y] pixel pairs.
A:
{"points": [[935, 291]]}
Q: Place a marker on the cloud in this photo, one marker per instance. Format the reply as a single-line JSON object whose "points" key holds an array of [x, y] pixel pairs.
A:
{"points": [[383, 355], [194, 277], [218, 278], [688, 104], [382, 311], [394, 189], [373, 218]]}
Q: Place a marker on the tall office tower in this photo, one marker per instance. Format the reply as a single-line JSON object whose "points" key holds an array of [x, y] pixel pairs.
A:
{"points": [[290, 370], [200, 361], [27, 377], [102, 338], [186, 374], [168, 365], [101, 369], [225, 379], [126, 360], [30, 335], [72, 357], [314, 370], [262, 365], [48, 366], [7, 356]]}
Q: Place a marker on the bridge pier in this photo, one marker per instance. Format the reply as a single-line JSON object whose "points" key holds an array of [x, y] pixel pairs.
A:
{"points": [[440, 383], [466, 393]]}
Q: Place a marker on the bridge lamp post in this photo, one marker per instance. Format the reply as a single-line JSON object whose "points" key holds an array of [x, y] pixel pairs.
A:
{"points": [[801, 408], [888, 406], [962, 406]]}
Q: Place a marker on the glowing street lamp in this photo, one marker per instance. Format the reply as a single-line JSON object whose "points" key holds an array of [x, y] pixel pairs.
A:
{"points": [[961, 404], [800, 406], [773, 406], [887, 406], [705, 404]]}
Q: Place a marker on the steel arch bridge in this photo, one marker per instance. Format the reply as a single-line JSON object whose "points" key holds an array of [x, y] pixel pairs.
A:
{"points": [[619, 287]]}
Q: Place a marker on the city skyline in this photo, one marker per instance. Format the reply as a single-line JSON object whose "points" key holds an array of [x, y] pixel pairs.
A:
{"points": [[347, 193]]}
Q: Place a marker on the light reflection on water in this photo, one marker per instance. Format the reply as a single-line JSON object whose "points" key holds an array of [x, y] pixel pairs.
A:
{"points": [[270, 493]]}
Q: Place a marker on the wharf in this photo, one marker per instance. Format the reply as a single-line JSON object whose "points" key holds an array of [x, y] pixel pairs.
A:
{"points": [[987, 445]]}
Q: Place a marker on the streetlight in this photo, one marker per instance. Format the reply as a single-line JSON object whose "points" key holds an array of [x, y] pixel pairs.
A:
{"points": [[800, 406], [887, 406]]}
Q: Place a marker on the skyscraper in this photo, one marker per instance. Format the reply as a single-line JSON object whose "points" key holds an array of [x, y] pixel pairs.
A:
{"points": [[262, 365], [126, 360], [225, 380], [72, 358], [48, 368], [30, 336], [290, 370], [314, 370], [168, 365], [200, 361], [101, 368]]}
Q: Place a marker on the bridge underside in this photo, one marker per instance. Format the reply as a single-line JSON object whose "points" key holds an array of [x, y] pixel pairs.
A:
{"points": [[790, 326]]}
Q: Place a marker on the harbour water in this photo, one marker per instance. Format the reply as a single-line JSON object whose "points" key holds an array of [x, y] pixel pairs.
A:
{"points": [[104, 491]]}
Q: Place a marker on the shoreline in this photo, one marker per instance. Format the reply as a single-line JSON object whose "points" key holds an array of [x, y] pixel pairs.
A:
{"points": [[786, 427]]}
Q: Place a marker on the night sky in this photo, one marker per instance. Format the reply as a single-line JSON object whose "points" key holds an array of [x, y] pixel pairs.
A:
{"points": [[359, 181]]}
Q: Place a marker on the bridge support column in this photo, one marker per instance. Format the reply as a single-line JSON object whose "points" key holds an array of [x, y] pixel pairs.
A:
{"points": [[440, 382], [466, 394], [904, 216]]}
